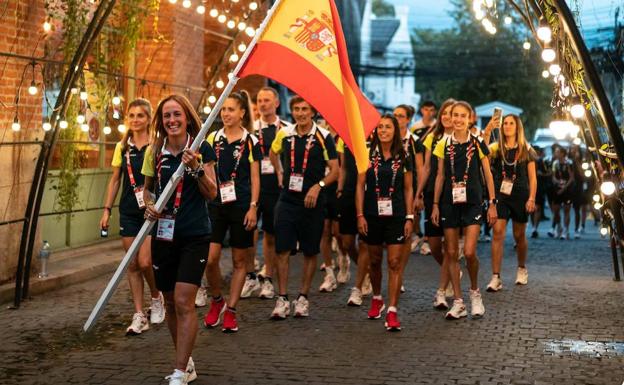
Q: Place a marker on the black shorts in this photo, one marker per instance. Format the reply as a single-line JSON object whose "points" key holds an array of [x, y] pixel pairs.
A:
{"points": [[431, 230], [460, 215], [565, 198], [347, 219], [295, 223], [182, 260], [514, 210], [266, 210], [331, 206], [540, 195], [385, 230], [228, 217], [129, 225]]}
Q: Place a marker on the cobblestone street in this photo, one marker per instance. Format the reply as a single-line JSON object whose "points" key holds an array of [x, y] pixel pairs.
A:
{"points": [[565, 327]]}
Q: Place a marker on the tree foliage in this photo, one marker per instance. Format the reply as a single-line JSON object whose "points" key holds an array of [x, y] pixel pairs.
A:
{"points": [[382, 8], [466, 62]]}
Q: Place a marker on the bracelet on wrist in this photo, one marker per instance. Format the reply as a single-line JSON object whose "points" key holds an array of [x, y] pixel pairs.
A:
{"points": [[360, 216], [110, 211]]}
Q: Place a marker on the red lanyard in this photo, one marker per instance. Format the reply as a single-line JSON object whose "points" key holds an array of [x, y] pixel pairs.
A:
{"points": [[237, 159], [178, 196], [469, 153], [130, 173], [261, 136], [515, 163], [396, 163], [306, 154]]}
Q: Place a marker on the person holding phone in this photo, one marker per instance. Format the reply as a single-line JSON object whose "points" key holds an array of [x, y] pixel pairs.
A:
{"points": [[515, 182], [457, 203], [127, 162], [384, 211]]}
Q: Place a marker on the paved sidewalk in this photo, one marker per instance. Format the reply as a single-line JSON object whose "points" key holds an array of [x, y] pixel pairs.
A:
{"points": [[565, 327]]}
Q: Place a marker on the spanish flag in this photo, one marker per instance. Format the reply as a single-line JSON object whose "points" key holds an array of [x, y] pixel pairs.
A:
{"points": [[303, 47]]}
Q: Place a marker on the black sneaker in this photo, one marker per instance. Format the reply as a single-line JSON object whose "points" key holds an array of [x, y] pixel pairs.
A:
{"points": [[534, 234]]}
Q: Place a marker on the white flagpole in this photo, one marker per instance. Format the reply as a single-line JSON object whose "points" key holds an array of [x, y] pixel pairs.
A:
{"points": [[173, 182]]}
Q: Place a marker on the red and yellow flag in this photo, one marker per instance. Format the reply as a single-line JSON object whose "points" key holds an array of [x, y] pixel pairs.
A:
{"points": [[303, 47]]}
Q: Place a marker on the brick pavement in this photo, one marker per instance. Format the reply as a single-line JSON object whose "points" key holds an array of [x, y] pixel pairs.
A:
{"points": [[570, 297]]}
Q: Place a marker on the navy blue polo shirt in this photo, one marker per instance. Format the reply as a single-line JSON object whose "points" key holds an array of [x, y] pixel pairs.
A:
{"points": [[385, 173], [128, 204]]}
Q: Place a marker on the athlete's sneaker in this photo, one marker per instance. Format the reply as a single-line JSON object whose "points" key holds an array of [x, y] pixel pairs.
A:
{"points": [[577, 234], [458, 310], [439, 301], [377, 306], [495, 284], [344, 263], [522, 276], [302, 307], [200, 297], [323, 266], [329, 282], [552, 232], [139, 325], [262, 273], [177, 378], [251, 288], [157, 310], [392, 323], [229, 322], [191, 374], [215, 313], [403, 289], [415, 242], [355, 299], [281, 310], [476, 304], [267, 291], [534, 234], [367, 287], [425, 249]]}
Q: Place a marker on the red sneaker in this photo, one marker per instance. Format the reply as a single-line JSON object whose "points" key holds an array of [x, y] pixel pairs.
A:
{"points": [[392, 322], [229, 322], [213, 317], [377, 306]]}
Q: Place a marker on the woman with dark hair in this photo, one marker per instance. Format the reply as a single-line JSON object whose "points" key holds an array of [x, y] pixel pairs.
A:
{"points": [[424, 197], [457, 203], [384, 210], [563, 180], [515, 183], [238, 177], [127, 161], [181, 235]]}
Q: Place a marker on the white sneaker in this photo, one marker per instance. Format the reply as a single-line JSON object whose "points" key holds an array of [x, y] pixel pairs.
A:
{"points": [[495, 284], [402, 288], [267, 291], [457, 311], [425, 249], [577, 234], [415, 243], [262, 272], [200, 297], [439, 301], [344, 263], [302, 307], [251, 288], [476, 303], [355, 299], [177, 378], [191, 374], [367, 287], [157, 310], [329, 282], [281, 310], [323, 265], [522, 276], [139, 325]]}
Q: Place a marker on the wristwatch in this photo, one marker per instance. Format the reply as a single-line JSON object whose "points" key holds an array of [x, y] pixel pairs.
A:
{"points": [[322, 184], [493, 201], [253, 204], [409, 217]]}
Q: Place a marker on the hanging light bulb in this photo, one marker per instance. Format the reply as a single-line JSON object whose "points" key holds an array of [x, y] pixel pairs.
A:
{"points": [[508, 20], [214, 12], [489, 3], [116, 100], [604, 231], [173, 1], [545, 74], [234, 58], [588, 173], [80, 119], [596, 198], [253, 5], [201, 9], [116, 115], [32, 90], [220, 84], [231, 24], [187, 4], [242, 25], [222, 18], [543, 31], [63, 124], [577, 110], [549, 54], [585, 166], [16, 126], [46, 126], [74, 91], [479, 14], [107, 130], [47, 26], [84, 127], [121, 128], [554, 69], [576, 141], [207, 109], [250, 31], [526, 45], [212, 99], [607, 188], [84, 95], [597, 205], [242, 47]]}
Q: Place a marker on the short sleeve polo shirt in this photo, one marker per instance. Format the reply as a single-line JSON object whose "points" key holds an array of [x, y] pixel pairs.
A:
{"points": [[266, 132], [128, 204]]}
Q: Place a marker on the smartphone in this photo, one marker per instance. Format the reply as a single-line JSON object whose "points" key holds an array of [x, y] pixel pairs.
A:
{"points": [[497, 117]]}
